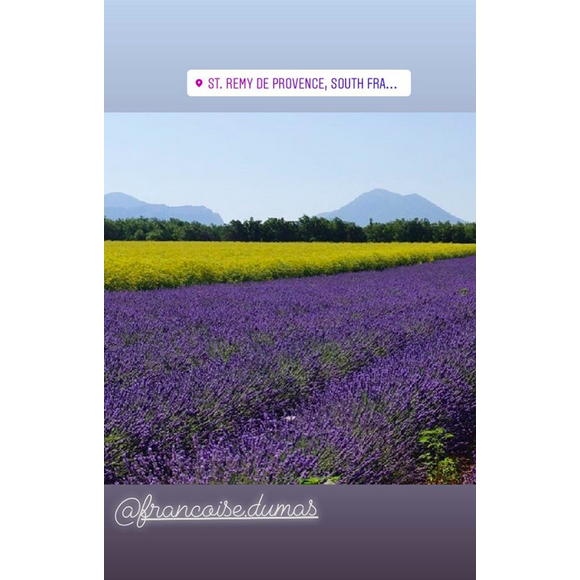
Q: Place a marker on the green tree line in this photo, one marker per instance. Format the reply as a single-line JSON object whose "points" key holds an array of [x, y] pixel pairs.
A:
{"points": [[306, 229]]}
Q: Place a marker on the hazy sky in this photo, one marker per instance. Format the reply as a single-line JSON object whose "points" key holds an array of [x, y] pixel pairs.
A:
{"points": [[290, 164]]}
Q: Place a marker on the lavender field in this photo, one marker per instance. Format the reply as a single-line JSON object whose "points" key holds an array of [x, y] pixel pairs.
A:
{"points": [[357, 378]]}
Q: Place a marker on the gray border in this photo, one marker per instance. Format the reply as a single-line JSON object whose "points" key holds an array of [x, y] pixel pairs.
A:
{"points": [[363, 532]]}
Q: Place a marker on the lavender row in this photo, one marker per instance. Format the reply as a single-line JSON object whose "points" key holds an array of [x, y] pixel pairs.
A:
{"points": [[355, 378]]}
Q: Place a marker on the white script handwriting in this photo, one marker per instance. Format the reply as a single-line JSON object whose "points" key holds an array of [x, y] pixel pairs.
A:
{"points": [[132, 511]]}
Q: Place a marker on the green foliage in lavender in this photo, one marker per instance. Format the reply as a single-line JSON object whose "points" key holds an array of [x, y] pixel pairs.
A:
{"points": [[441, 469]]}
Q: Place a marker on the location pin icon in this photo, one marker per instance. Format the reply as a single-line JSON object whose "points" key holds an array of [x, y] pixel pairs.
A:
{"points": [[199, 82]]}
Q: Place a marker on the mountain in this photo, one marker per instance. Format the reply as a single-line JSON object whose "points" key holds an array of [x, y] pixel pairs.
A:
{"points": [[384, 206], [120, 205], [122, 200]]}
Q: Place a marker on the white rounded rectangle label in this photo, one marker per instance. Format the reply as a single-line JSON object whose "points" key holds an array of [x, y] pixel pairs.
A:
{"points": [[298, 83]]}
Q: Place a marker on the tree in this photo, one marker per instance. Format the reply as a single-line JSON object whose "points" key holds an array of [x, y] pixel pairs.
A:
{"points": [[306, 229]]}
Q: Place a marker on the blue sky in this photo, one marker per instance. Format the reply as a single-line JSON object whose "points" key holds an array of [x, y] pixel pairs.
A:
{"points": [[289, 164]]}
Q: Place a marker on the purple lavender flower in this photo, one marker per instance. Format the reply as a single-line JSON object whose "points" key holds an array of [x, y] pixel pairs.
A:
{"points": [[284, 381]]}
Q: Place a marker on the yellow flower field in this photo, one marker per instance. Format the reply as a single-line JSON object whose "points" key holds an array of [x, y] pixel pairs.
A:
{"points": [[148, 265]]}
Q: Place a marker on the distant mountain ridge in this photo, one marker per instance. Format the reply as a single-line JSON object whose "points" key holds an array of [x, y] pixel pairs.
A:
{"points": [[384, 206], [121, 206], [380, 205]]}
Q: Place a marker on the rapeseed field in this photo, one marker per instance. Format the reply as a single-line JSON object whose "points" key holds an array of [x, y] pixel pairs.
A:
{"points": [[150, 265]]}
